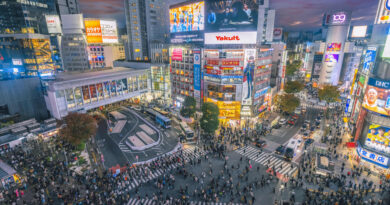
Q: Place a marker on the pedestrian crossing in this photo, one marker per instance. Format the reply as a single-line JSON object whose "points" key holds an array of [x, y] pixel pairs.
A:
{"points": [[191, 152], [124, 148], [143, 201], [283, 169], [320, 107]]}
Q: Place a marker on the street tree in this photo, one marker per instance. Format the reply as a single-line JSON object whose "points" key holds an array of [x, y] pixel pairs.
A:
{"points": [[329, 93], [77, 128], [291, 68], [294, 87], [209, 121], [287, 102], [189, 107]]}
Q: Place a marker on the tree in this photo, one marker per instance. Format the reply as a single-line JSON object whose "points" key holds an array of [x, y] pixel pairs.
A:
{"points": [[78, 127], [209, 121], [189, 107], [329, 93], [293, 87], [287, 102], [291, 68]]}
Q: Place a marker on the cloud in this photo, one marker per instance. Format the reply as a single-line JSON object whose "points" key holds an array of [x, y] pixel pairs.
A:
{"points": [[112, 9]]}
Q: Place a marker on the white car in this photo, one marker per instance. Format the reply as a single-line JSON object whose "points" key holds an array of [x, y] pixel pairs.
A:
{"points": [[282, 121]]}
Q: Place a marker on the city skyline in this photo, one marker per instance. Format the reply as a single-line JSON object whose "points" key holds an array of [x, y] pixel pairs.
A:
{"points": [[301, 10]]}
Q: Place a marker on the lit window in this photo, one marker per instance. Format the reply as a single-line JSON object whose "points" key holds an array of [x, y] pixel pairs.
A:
{"points": [[137, 50]]}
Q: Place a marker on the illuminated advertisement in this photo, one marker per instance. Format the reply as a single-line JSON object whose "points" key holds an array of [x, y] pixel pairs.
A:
{"points": [[249, 67], [382, 16], [333, 47], [177, 54], [231, 38], [187, 23], [237, 15], [197, 74], [386, 50], [373, 157], [278, 33], [17, 61], [227, 109], [369, 59], [109, 31], [93, 31], [53, 24], [359, 31], [101, 31], [378, 138], [339, 18], [377, 96], [331, 58], [185, 18]]}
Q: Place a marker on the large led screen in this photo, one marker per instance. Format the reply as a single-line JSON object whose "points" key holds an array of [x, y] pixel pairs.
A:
{"points": [[101, 31], [187, 18], [233, 15], [377, 96], [333, 47], [378, 138]]}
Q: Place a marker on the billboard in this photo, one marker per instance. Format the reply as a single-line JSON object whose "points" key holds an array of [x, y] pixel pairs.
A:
{"points": [[373, 157], [249, 67], [231, 38], [197, 74], [333, 47], [186, 18], [359, 31], [238, 15], [369, 59], [338, 18], [53, 24], [186, 22], [101, 31], [378, 138], [386, 50], [278, 33], [377, 96], [109, 31], [177, 54], [332, 58]]}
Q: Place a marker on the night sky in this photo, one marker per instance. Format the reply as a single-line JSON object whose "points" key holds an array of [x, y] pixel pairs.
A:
{"points": [[294, 15]]}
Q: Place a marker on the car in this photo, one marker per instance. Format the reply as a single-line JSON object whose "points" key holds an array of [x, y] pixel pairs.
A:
{"points": [[291, 122], [260, 143], [277, 126], [288, 154], [282, 121], [280, 150], [308, 142], [306, 134], [295, 116]]}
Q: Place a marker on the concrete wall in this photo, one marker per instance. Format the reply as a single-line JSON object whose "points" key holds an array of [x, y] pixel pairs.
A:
{"points": [[24, 96]]}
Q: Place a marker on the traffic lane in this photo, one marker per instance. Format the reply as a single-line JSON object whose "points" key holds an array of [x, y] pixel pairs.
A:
{"points": [[110, 150], [286, 132]]}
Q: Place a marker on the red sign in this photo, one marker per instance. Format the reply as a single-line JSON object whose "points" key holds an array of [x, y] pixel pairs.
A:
{"points": [[212, 62], [350, 144], [231, 62], [227, 38], [177, 54]]}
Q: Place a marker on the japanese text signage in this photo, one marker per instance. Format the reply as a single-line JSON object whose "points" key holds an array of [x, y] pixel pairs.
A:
{"points": [[373, 157], [369, 59], [197, 74]]}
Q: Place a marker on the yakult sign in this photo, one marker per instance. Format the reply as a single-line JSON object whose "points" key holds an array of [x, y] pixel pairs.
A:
{"points": [[231, 38]]}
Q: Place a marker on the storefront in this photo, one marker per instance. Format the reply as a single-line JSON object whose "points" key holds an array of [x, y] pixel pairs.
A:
{"points": [[377, 163]]}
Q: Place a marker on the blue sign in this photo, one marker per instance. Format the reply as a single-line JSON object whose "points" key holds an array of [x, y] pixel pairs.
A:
{"points": [[387, 4], [372, 157], [379, 83], [347, 105], [261, 92], [197, 71], [369, 59], [223, 76]]}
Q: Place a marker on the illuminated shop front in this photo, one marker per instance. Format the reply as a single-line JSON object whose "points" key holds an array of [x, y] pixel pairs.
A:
{"points": [[229, 112], [85, 91]]}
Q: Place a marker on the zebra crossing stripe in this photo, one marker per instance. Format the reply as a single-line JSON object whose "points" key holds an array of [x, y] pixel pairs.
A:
{"points": [[285, 170], [292, 171]]}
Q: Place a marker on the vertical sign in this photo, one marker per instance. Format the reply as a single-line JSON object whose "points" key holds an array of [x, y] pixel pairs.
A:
{"points": [[197, 73], [369, 59], [177, 54], [347, 105]]}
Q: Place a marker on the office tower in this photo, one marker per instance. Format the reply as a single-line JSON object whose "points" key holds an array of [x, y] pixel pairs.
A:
{"points": [[25, 47], [338, 28], [74, 43], [68, 7], [145, 25]]}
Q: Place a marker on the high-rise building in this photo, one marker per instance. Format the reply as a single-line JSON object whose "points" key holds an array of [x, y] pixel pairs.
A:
{"points": [[68, 7], [145, 25], [338, 29]]}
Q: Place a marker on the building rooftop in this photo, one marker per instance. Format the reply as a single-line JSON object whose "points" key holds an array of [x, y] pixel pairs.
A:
{"points": [[77, 76], [6, 170]]}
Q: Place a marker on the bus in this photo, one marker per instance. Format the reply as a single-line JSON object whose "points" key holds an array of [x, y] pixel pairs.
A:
{"points": [[160, 119], [189, 133], [165, 113]]}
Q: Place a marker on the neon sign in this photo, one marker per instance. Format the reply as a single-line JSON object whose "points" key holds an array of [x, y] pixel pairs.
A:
{"points": [[339, 18], [387, 4]]}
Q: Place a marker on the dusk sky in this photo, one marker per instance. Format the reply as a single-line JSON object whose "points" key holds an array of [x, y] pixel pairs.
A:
{"points": [[289, 15]]}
